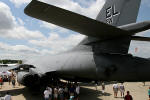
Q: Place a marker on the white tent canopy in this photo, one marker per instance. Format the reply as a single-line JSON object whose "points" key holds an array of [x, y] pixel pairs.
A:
{"points": [[5, 73]]}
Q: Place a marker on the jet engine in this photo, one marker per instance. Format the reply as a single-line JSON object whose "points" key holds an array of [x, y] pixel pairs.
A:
{"points": [[29, 76], [28, 79], [26, 76]]}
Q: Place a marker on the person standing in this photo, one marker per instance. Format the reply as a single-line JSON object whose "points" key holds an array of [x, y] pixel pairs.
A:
{"points": [[61, 93], [115, 89], [71, 92], [77, 91], [1, 81], [103, 87], [96, 86], [9, 79], [122, 89], [50, 93], [128, 96], [46, 94], [55, 93], [7, 96], [149, 93], [13, 81], [143, 83], [66, 92]]}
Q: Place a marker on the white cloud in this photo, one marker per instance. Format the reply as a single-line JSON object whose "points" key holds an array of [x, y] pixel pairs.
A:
{"points": [[54, 43], [143, 49], [91, 7], [20, 21], [23, 48], [18, 3], [57, 43], [7, 20], [10, 28], [21, 32], [90, 11], [17, 48], [24, 52], [85, 3], [53, 28]]}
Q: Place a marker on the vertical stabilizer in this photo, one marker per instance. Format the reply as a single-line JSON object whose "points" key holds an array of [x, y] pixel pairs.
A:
{"points": [[116, 13], [119, 12]]}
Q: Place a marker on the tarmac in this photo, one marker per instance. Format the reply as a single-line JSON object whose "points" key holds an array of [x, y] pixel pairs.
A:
{"points": [[88, 92]]}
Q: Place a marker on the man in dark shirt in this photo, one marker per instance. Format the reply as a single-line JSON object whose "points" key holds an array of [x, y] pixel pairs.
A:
{"points": [[72, 89], [71, 92], [128, 96]]}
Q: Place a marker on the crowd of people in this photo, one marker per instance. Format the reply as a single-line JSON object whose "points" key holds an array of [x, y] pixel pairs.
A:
{"points": [[66, 91], [121, 88], [72, 91], [11, 78]]}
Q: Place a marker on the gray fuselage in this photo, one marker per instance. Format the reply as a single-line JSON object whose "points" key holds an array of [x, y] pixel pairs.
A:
{"points": [[84, 64]]}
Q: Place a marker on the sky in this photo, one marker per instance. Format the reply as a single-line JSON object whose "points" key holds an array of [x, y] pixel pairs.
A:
{"points": [[23, 37]]}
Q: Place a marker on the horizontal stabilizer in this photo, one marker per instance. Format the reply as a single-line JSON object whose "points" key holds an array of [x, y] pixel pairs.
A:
{"points": [[138, 38], [136, 27], [73, 21]]}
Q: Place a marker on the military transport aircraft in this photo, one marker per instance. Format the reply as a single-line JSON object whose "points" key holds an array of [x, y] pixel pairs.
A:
{"points": [[101, 56]]}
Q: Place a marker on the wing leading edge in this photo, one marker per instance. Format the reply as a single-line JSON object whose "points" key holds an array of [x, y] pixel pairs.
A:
{"points": [[82, 24], [73, 21]]}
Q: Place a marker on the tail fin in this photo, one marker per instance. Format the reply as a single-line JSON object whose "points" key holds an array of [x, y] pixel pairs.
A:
{"points": [[119, 12], [116, 13]]}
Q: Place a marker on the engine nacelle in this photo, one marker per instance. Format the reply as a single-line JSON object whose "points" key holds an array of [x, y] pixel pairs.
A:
{"points": [[28, 79]]}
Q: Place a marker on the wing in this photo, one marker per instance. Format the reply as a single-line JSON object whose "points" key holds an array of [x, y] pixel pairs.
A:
{"points": [[136, 27], [138, 38], [4, 68], [73, 21]]}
